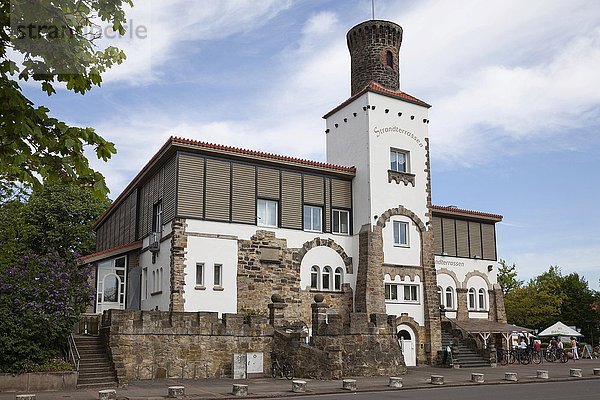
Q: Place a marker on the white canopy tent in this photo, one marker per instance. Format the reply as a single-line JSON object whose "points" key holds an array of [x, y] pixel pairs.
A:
{"points": [[559, 329]]}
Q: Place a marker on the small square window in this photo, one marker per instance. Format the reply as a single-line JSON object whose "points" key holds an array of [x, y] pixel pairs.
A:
{"points": [[399, 161], [341, 222], [266, 213], [199, 274], [401, 234], [218, 275], [313, 218]]}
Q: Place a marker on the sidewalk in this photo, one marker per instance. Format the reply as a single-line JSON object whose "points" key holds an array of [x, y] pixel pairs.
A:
{"points": [[416, 378]]}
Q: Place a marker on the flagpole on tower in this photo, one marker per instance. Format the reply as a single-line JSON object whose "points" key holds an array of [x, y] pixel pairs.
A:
{"points": [[373, 9]]}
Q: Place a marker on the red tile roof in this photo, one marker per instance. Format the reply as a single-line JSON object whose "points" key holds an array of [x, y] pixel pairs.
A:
{"points": [[376, 88], [126, 247], [261, 154], [457, 210]]}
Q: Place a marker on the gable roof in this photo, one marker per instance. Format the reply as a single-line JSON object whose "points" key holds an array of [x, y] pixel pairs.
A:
{"points": [[460, 212], [377, 88]]}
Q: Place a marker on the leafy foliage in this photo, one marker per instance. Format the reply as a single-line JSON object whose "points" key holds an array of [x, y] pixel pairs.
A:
{"points": [[41, 298], [42, 289], [552, 297], [34, 147], [507, 277]]}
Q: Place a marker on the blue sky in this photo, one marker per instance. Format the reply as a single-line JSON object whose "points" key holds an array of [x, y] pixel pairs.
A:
{"points": [[514, 85]]}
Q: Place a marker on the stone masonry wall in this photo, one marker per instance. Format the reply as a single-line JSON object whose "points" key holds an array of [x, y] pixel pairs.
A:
{"points": [[266, 266], [187, 345], [178, 251]]}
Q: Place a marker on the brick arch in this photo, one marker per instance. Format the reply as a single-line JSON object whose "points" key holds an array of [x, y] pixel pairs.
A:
{"points": [[328, 243], [410, 321], [480, 274], [452, 274], [401, 210]]}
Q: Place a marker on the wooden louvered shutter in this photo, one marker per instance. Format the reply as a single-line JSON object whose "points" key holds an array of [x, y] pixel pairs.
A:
{"points": [[291, 200], [190, 187], [243, 197], [341, 193], [218, 179], [462, 238], [475, 239], [268, 183], [489, 241], [437, 235], [449, 236]]}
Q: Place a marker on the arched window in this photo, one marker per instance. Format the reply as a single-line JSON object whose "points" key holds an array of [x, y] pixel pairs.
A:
{"points": [[440, 296], [326, 278], [472, 299], [449, 298], [160, 280], [314, 277], [153, 281], [481, 299], [337, 279], [389, 58]]}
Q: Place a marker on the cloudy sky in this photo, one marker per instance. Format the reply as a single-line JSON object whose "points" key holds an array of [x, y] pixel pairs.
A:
{"points": [[515, 89]]}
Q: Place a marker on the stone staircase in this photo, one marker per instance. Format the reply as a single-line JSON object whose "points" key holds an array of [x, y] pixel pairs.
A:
{"points": [[466, 356], [95, 368]]}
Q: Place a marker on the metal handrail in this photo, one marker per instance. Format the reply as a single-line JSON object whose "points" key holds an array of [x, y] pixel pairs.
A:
{"points": [[73, 352]]}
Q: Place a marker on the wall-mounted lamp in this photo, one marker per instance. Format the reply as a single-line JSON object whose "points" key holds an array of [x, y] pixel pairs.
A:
{"points": [[490, 268]]}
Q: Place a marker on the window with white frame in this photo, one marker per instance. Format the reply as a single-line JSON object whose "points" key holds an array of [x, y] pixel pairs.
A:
{"points": [[402, 292], [326, 278], [218, 275], [200, 274], [401, 234], [157, 212], [266, 213], [314, 277], [399, 160], [341, 222], [481, 299], [313, 218], [411, 293], [449, 298], [472, 305], [338, 278]]}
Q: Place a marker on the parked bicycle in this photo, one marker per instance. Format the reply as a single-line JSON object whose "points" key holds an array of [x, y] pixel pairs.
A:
{"points": [[281, 369], [555, 354]]}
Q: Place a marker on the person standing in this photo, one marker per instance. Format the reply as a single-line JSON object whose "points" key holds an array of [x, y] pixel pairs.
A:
{"points": [[574, 349]]}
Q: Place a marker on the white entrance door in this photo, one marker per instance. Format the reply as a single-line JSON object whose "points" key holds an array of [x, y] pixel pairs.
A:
{"points": [[406, 338], [111, 285]]}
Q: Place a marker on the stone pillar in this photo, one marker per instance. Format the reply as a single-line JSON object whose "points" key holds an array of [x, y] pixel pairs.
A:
{"points": [[319, 315], [432, 322], [462, 314], [499, 299], [370, 296], [276, 310], [178, 252]]}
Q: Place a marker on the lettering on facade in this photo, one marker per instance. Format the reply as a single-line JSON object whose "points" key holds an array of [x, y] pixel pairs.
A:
{"points": [[439, 261], [388, 129]]}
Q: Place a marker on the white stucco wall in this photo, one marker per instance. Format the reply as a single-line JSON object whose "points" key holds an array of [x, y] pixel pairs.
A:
{"points": [[211, 251], [399, 255], [463, 266], [160, 298]]}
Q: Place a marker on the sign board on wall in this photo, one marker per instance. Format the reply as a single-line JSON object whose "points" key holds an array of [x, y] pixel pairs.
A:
{"points": [[239, 366], [254, 363]]}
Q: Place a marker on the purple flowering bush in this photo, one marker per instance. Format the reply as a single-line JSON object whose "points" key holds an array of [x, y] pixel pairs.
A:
{"points": [[41, 298]]}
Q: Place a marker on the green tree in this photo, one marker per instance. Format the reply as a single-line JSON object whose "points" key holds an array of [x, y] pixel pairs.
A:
{"points": [[507, 277], [54, 40], [533, 305]]}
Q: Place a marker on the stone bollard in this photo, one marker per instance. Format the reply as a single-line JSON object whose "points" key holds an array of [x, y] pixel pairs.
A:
{"points": [[575, 372], [477, 378], [395, 382], [25, 397], [298, 386], [510, 376], [437, 380], [176, 392], [240, 390], [596, 371], [107, 394], [349, 384], [541, 374]]}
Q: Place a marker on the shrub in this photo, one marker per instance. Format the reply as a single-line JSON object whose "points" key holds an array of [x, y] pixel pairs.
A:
{"points": [[41, 298]]}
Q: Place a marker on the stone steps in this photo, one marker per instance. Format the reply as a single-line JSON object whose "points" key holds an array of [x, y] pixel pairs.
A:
{"points": [[95, 368], [465, 357]]}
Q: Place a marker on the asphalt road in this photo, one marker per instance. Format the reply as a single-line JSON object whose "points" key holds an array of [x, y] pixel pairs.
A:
{"points": [[570, 390]]}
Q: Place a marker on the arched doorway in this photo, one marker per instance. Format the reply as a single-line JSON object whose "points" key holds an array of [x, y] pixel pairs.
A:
{"points": [[406, 339]]}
